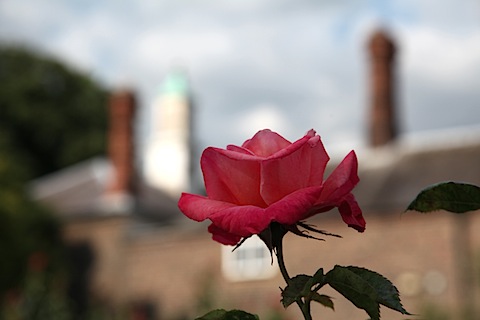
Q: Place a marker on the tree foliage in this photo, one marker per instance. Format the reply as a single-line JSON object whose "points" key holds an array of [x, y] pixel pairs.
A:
{"points": [[50, 116]]}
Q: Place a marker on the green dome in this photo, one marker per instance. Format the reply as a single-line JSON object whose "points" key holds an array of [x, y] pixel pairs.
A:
{"points": [[175, 83]]}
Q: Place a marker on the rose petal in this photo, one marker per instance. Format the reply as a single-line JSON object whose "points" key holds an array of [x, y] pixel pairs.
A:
{"points": [[342, 180], [199, 208], [352, 214], [232, 177], [241, 220], [222, 236], [300, 165], [265, 143], [290, 148], [294, 207], [248, 220], [238, 149]]}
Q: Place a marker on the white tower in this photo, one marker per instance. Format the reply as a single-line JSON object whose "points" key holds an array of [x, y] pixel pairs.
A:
{"points": [[168, 153]]}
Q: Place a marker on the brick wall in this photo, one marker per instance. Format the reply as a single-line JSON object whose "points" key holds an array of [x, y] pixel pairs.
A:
{"points": [[176, 270], [106, 237]]}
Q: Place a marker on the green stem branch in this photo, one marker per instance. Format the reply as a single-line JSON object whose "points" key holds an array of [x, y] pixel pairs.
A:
{"points": [[304, 306]]}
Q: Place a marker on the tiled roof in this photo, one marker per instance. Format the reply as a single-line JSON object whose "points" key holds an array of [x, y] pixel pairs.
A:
{"points": [[391, 176], [79, 192]]}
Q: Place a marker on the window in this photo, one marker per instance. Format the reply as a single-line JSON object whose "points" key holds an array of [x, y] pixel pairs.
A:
{"points": [[250, 261]]}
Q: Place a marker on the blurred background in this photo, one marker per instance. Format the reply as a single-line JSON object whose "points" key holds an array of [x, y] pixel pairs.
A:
{"points": [[106, 106]]}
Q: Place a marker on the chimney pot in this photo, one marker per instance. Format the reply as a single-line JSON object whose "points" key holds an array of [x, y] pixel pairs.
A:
{"points": [[121, 142], [382, 122]]}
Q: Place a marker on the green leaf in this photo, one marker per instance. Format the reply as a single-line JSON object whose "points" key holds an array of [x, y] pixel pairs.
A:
{"points": [[326, 301], [221, 314], [301, 287], [318, 278], [356, 289], [387, 293], [366, 289], [449, 196], [214, 314], [295, 290]]}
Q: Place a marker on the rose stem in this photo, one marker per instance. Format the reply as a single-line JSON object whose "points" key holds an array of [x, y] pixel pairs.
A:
{"points": [[304, 307]]}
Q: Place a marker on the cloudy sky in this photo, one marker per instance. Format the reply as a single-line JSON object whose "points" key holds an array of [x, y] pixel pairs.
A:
{"points": [[290, 65]]}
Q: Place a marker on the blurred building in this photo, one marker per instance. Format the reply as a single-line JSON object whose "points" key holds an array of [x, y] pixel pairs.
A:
{"points": [[169, 149], [146, 254]]}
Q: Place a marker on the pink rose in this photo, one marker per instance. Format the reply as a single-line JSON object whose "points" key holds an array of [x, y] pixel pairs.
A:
{"points": [[269, 179]]}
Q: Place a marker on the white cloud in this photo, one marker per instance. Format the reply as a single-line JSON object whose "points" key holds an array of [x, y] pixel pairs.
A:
{"points": [[306, 58], [262, 116], [446, 15], [448, 60], [155, 46]]}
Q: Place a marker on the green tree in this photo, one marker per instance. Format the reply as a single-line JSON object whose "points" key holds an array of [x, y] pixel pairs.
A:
{"points": [[50, 115]]}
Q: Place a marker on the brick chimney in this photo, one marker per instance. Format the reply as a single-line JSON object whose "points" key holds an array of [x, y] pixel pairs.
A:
{"points": [[382, 122], [120, 143]]}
